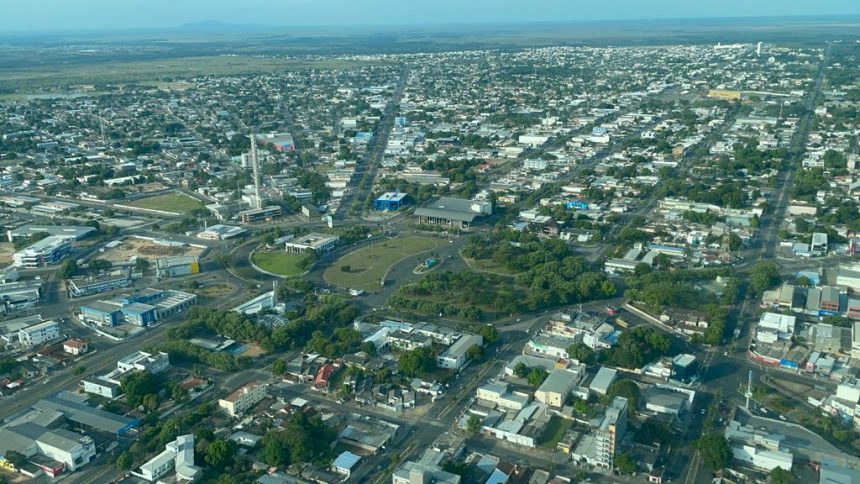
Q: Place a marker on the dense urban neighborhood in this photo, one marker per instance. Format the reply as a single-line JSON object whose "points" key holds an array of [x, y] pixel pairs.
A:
{"points": [[556, 264]]}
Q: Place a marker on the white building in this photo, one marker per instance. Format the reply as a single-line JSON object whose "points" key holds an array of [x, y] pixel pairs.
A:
{"points": [[48, 251], [499, 395], [221, 232], [345, 464], [75, 347], [177, 456], [238, 402], [314, 242], [602, 380], [773, 325], [763, 459], [454, 357], [558, 386], [38, 334], [849, 276]]}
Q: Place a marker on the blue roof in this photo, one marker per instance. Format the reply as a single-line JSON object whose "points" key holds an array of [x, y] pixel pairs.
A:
{"points": [[392, 196], [346, 460]]}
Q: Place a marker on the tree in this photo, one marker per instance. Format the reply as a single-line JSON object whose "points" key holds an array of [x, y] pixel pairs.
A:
{"points": [[763, 276], [151, 402], [273, 452], [15, 458], [475, 352], [627, 389], [715, 450], [99, 265], [521, 370], [220, 453], [473, 424], [417, 362], [124, 461], [138, 385], [625, 463], [802, 281], [778, 475], [537, 376], [279, 367], [581, 352], [489, 333], [79, 370], [68, 269]]}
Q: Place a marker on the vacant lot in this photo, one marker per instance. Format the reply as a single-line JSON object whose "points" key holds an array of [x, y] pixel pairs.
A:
{"points": [[178, 203], [131, 247], [363, 268], [278, 262], [554, 431]]}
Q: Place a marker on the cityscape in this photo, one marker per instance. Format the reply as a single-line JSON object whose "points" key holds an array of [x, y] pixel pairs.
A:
{"points": [[537, 254]]}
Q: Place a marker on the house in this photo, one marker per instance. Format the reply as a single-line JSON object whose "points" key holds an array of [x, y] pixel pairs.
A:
{"points": [[75, 346], [323, 376], [345, 463], [243, 399]]}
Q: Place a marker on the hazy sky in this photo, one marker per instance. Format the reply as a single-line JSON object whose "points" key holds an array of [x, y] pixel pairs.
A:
{"points": [[37, 15]]}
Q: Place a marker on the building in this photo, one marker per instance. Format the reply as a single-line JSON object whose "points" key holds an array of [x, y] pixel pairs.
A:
{"points": [[87, 286], [39, 334], [499, 395], [75, 346], [610, 433], [453, 212], [73, 408], [391, 201], [72, 450], [602, 380], [312, 242], [455, 357], [345, 463], [167, 267], [411, 472], [819, 246], [849, 276], [724, 94], [684, 367], [558, 386], [773, 327], [143, 361], [757, 447], [259, 214], [241, 400], [177, 456], [221, 232], [101, 387], [67, 232], [46, 252]]}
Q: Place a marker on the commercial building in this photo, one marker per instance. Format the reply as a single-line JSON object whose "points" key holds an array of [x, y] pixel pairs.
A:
{"points": [[849, 276], [167, 267], [39, 334], [558, 386], [312, 242], [684, 367], [758, 448], [241, 400], [454, 358], [602, 380], [221, 232], [610, 433], [773, 327], [74, 409], [453, 212], [46, 252], [345, 464], [87, 286], [259, 214], [499, 395], [108, 385], [819, 246], [177, 456], [67, 232], [391, 201], [71, 450], [142, 309], [19, 295]]}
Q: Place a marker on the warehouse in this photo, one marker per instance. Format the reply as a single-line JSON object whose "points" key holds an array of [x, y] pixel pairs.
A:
{"points": [[73, 408], [168, 267], [87, 286], [67, 232], [453, 212]]}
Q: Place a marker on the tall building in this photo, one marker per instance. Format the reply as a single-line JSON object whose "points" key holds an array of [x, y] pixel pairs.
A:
{"points": [[611, 431]]}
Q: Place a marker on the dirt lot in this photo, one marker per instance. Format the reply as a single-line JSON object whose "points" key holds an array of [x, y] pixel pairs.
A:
{"points": [[131, 247], [6, 251]]}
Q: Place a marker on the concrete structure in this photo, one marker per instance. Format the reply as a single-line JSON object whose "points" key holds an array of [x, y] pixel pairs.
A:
{"points": [[602, 380], [46, 252], [177, 456], [391, 201], [39, 334], [221, 232], [259, 214], [87, 286], [345, 464], [558, 385], [762, 459], [241, 400], [67, 232], [454, 358], [108, 385], [499, 395], [73, 408], [72, 450], [313, 242], [453, 212], [167, 267], [611, 431]]}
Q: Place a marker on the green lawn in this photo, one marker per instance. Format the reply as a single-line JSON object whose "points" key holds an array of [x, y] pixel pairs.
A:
{"points": [[554, 431], [169, 202], [368, 264], [278, 262]]}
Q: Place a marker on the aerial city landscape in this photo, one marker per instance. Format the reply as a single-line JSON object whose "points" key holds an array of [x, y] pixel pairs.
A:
{"points": [[529, 253]]}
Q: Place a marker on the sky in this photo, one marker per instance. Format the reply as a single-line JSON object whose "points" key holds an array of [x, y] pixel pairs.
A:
{"points": [[51, 15]]}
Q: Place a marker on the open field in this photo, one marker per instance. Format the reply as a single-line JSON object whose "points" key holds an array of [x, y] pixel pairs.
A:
{"points": [[368, 264], [133, 246], [278, 262], [170, 202], [554, 431]]}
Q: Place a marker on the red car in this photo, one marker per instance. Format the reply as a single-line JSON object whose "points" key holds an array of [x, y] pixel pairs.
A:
{"points": [[611, 310]]}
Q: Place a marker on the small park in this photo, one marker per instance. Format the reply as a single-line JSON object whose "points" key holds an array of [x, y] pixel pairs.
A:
{"points": [[364, 268]]}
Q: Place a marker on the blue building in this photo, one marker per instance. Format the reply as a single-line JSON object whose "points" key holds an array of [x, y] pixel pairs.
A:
{"points": [[101, 313], [139, 314], [576, 205], [363, 136], [391, 201], [400, 121]]}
